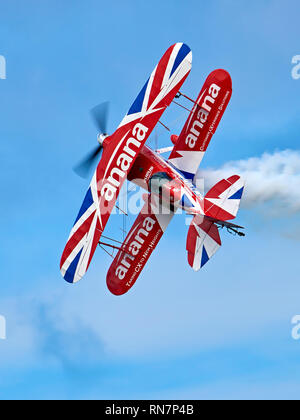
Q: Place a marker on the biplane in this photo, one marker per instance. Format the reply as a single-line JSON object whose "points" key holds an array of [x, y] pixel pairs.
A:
{"points": [[169, 184]]}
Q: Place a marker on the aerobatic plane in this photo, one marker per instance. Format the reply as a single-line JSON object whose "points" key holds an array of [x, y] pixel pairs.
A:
{"points": [[169, 183]]}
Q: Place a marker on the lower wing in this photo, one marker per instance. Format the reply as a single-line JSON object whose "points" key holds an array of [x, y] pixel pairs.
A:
{"points": [[137, 248]]}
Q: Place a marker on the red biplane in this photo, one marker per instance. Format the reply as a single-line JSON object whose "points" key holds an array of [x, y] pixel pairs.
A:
{"points": [[169, 184]]}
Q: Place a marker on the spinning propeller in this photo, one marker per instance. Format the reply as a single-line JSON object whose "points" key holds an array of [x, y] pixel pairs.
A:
{"points": [[99, 115]]}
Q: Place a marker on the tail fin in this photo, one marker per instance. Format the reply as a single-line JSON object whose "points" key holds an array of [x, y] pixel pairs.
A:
{"points": [[223, 200], [203, 241]]}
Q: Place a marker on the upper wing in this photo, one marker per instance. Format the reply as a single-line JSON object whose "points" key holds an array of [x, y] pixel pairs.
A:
{"points": [[202, 123], [141, 241], [118, 157], [203, 241]]}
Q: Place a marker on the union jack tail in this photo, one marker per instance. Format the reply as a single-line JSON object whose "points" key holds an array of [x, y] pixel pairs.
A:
{"points": [[222, 202]]}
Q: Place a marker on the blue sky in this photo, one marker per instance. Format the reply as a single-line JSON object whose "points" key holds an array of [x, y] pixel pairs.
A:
{"points": [[224, 332]]}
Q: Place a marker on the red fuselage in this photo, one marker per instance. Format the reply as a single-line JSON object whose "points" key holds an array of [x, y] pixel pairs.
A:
{"points": [[181, 191]]}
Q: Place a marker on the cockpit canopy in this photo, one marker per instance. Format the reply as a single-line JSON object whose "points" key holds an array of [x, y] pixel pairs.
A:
{"points": [[158, 181]]}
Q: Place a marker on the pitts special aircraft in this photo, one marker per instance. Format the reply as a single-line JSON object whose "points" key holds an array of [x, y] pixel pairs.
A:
{"points": [[169, 183]]}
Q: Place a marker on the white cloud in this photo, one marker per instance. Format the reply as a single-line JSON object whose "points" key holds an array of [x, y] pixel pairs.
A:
{"points": [[270, 178]]}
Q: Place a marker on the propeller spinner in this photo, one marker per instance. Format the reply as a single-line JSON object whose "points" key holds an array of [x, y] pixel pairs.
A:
{"points": [[99, 115]]}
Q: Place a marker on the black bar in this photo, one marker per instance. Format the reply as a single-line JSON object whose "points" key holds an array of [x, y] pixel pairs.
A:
{"points": [[152, 408]]}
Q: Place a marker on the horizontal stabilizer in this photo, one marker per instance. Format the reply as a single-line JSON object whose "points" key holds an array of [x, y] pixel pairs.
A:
{"points": [[203, 241]]}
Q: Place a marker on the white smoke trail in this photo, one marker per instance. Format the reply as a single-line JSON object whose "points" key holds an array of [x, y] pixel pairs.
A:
{"points": [[270, 178]]}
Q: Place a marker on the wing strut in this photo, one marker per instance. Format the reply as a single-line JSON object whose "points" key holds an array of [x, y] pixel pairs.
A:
{"points": [[186, 97], [167, 128], [181, 106], [102, 245]]}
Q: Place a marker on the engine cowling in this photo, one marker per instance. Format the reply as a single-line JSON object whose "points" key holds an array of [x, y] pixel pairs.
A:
{"points": [[102, 139]]}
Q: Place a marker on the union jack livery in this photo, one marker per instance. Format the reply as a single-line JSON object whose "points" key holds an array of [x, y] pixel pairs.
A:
{"points": [[203, 241], [169, 183]]}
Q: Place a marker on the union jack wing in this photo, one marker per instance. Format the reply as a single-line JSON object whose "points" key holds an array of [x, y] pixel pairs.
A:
{"points": [[83, 239]]}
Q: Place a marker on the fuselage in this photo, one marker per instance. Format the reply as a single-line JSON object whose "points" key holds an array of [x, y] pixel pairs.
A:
{"points": [[152, 168]]}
